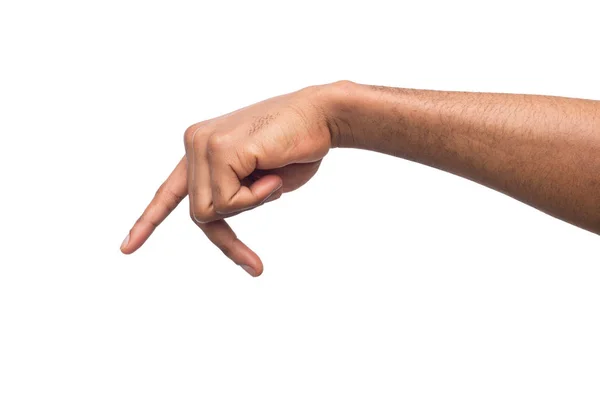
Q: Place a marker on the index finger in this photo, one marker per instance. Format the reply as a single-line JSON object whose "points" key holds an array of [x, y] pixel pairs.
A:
{"points": [[167, 197]]}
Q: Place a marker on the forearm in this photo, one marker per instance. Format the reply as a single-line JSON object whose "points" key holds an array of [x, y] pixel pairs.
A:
{"points": [[542, 150]]}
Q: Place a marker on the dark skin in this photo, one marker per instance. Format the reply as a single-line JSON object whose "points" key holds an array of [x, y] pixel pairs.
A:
{"points": [[542, 150]]}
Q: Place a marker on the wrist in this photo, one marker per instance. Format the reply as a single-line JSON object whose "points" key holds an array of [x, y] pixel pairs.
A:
{"points": [[365, 117], [339, 103], [352, 113], [334, 104]]}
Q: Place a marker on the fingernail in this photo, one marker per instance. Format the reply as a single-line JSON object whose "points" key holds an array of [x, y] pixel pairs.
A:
{"points": [[125, 241], [248, 270]]}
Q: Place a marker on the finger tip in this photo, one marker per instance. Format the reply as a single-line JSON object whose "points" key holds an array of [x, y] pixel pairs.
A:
{"points": [[125, 250], [250, 270], [127, 247], [253, 266], [257, 265]]}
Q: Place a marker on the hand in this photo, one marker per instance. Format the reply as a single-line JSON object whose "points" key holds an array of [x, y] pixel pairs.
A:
{"points": [[239, 161]]}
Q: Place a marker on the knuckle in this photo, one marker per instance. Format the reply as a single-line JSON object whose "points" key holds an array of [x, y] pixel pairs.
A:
{"points": [[227, 247], [226, 250], [220, 208], [144, 218], [201, 215], [189, 133], [217, 142], [168, 196], [221, 205]]}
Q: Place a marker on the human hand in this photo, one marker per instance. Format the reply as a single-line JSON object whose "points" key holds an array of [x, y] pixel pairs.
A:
{"points": [[239, 161]]}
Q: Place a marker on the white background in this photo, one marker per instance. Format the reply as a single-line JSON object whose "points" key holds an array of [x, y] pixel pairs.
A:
{"points": [[383, 279]]}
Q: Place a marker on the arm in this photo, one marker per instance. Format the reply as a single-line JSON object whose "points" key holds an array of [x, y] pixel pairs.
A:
{"points": [[542, 150]]}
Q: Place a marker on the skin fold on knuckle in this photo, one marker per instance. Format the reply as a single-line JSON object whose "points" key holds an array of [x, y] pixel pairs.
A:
{"points": [[227, 246], [220, 204], [227, 249], [169, 198]]}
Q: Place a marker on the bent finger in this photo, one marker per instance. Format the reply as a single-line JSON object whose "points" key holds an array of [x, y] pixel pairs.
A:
{"points": [[228, 193]]}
